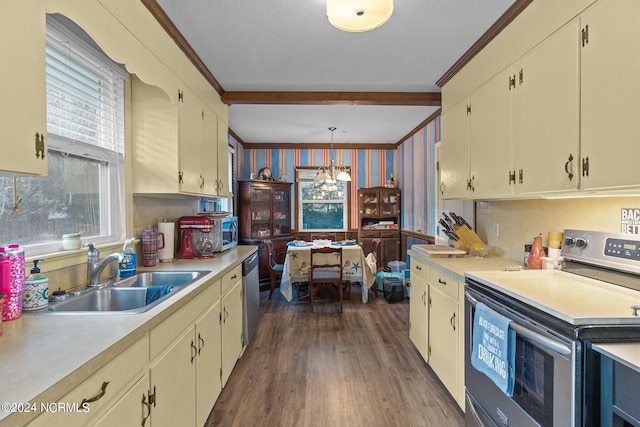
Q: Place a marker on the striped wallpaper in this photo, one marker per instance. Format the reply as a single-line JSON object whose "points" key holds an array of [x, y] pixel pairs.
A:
{"points": [[413, 166]]}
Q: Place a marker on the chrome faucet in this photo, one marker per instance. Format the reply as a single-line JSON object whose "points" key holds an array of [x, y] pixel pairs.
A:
{"points": [[95, 265]]}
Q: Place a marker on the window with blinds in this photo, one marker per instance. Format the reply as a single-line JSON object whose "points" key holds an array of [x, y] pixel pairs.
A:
{"points": [[84, 189]]}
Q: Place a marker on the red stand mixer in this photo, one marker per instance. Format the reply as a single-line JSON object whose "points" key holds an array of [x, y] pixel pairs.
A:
{"points": [[197, 237]]}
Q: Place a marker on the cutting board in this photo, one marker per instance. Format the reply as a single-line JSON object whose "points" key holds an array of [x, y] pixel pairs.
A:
{"points": [[439, 251]]}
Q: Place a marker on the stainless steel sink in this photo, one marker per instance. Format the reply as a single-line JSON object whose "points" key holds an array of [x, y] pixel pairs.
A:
{"points": [[135, 294]]}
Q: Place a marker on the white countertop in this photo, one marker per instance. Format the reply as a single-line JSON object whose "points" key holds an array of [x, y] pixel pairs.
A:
{"points": [[456, 267], [575, 299], [43, 357], [626, 353]]}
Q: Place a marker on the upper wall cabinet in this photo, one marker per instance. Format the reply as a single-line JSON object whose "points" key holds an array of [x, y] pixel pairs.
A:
{"points": [[547, 115], [540, 126], [175, 145], [23, 112], [610, 90]]}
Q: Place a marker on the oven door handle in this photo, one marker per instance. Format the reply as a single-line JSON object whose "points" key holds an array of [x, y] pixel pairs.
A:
{"points": [[532, 336]]}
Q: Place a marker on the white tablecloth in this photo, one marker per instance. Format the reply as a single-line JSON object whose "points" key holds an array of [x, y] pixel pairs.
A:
{"points": [[297, 263]]}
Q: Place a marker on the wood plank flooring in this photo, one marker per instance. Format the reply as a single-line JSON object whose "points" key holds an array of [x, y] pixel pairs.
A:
{"points": [[357, 368]]}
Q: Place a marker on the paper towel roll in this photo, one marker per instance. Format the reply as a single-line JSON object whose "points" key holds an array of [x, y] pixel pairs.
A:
{"points": [[167, 254]]}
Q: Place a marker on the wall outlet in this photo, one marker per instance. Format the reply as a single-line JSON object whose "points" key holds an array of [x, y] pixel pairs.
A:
{"points": [[496, 230]]}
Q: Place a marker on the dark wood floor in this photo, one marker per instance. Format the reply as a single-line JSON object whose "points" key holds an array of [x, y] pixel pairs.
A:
{"points": [[358, 368]]}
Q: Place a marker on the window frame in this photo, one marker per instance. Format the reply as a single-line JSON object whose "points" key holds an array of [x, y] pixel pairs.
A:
{"points": [[112, 175], [298, 205]]}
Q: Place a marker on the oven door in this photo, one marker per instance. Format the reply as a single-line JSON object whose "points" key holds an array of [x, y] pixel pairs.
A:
{"points": [[544, 389]]}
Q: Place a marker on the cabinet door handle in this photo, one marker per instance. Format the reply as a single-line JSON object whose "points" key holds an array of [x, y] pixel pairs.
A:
{"points": [[226, 315], [424, 297], [201, 342], [98, 396], [585, 166], [453, 321], [566, 167], [194, 351], [147, 405], [442, 282]]}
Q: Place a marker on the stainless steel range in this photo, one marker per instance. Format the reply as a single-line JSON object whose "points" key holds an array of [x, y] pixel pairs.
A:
{"points": [[554, 317]]}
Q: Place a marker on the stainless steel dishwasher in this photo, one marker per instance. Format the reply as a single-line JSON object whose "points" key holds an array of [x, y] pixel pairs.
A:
{"points": [[251, 298]]}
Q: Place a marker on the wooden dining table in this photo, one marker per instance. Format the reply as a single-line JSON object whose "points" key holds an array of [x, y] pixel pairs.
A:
{"points": [[298, 262]]}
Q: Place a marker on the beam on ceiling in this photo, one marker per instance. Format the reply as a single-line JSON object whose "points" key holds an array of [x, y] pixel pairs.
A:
{"points": [[334, 98]]}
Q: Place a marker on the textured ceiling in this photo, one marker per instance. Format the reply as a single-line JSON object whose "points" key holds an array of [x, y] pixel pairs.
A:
{"points": [[289, 45]]}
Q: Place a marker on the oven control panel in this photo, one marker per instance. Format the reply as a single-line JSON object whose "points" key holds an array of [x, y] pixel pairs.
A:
{"points": [[612, 250], [622, 248]]}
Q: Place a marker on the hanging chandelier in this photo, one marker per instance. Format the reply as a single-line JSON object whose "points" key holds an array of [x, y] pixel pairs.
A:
{"points": [[358, 15], [332, 173]]}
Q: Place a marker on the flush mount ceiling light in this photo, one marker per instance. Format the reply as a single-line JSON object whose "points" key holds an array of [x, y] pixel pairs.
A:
{"points": [[358, 15], [327, 174]]}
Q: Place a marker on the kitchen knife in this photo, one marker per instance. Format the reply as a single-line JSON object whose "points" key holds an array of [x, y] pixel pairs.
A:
{"points": [[450, 235], [449, 220], [445, 225], [456, 218]]}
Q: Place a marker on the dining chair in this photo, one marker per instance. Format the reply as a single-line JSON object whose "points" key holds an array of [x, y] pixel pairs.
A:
{"points": [[275, 268], [323, 236], [375, 250], [325, 269]]}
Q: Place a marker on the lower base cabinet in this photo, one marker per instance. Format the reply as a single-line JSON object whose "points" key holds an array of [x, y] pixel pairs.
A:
{"points": [[436, 308], [173, 375], [418, 310]]}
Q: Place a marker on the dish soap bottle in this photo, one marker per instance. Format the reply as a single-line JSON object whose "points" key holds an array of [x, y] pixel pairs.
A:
{"points": [[36, 289], [536, 254], [127, 267]]}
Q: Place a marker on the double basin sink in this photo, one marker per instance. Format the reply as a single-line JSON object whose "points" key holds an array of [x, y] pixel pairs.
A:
{"points": [[135, 294]]}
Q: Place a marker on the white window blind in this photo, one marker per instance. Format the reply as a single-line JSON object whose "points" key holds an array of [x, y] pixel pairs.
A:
{"points": [[85, 90]]}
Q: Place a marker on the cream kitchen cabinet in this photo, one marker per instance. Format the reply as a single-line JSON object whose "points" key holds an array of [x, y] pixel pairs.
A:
{"points": [[22, 25], [104, 390], [444, 332], [222, 183], [175, 143], [547, 115], [132, 406], [610, 89], [231, 321], [418, 307], [185, 365], [568, 134], [476, 156], [453, 156], [435, 324], [507, 153]]}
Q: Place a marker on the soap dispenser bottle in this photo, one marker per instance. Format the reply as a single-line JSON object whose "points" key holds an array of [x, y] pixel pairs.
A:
{"points": [[536, 254], [127, 267], [36, 289]]}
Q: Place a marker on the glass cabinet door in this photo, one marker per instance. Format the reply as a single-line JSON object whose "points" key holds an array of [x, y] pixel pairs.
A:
{"points": [[281, 223], [369, 203], [261, 213], [390, 203]]}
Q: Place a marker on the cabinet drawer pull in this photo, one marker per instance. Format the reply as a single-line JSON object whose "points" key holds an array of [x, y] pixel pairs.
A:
{"points": [[442, 282], [98, 396], [234, 277], [418, 268]]}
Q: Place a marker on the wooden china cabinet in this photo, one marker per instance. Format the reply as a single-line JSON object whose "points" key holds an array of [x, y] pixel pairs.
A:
{"points": [[264, 212], [379, 216]]}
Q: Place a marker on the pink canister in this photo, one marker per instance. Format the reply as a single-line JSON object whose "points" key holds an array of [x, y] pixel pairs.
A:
{"points": [[12, 281]]}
